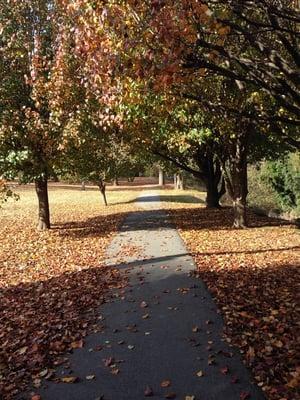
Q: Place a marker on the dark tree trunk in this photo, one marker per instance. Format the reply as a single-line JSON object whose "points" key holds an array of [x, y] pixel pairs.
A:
{"points": [[213, 180], [102, 188], [41, 187], [237, 181], [161, 177], [212, 194]]}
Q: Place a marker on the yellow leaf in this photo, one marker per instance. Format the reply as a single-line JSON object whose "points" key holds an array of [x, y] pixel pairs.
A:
{"points": [[69, 379]]}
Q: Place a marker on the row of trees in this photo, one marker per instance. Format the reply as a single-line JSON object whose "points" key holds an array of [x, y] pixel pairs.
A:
{"points": [[89, 87]]}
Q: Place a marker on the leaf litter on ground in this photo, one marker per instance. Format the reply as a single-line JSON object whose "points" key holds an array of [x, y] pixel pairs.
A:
{"points": [[51, 283], [253, 275]]}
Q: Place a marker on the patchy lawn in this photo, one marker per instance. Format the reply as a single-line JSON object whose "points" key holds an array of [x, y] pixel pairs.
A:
{"points": [[52, 282], [254, 276]]}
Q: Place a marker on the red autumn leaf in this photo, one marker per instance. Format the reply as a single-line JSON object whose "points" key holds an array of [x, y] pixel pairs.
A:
{"points": [[108, 361], [36, 397], [244, 395], [148, 392], [224, 370]]}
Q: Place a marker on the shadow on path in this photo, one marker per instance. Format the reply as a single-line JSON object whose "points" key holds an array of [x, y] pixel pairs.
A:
{"points": [[163, 326]]}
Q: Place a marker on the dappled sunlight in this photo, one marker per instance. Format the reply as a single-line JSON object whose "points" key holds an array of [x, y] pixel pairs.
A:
{"points": [[82, 229]]}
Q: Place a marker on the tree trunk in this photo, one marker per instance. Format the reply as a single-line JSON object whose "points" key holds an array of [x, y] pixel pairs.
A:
{"points": [[237, 181], [178, 181], [41, 187], [239, 198], [239, 213], [115, 181], [213, 180], [161, 177], [212, 194], [102, 188], [83, 185]]}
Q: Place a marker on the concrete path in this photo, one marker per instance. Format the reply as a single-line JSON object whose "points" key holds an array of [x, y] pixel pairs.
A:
{"points": [[164, 327]]}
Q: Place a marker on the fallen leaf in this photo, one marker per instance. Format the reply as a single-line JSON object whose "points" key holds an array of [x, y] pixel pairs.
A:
{"points": [[23, 350], [224, 370], [115, 371], [200, 373], [108, 361], [43, 373], [70, 379], [244, 395], [90, 377], [170, 395], [77, 345], [165, 383], [148, 392]]}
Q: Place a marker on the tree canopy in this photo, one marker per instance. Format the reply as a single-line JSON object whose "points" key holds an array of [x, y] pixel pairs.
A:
{"points": [[207, 85]]}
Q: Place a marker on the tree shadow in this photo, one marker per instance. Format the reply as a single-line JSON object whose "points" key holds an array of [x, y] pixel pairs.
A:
{"points": [[202, 218], [171, 199], [43, 321], [188, 199], [220, 219], [92, 227], [255, 251]]}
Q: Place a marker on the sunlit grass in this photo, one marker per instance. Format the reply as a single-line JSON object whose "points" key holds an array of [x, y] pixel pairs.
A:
{"points": [[65, 203]]}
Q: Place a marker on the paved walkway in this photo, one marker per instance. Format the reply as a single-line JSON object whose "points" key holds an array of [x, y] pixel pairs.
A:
{"points": [[165, 327]]}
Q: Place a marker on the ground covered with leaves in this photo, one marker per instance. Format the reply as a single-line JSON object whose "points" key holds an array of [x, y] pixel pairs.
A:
{"points": [[254, 276], [52, 282]]}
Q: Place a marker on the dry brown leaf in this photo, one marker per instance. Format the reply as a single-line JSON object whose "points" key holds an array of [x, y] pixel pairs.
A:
{"points": [[69, 379]]}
